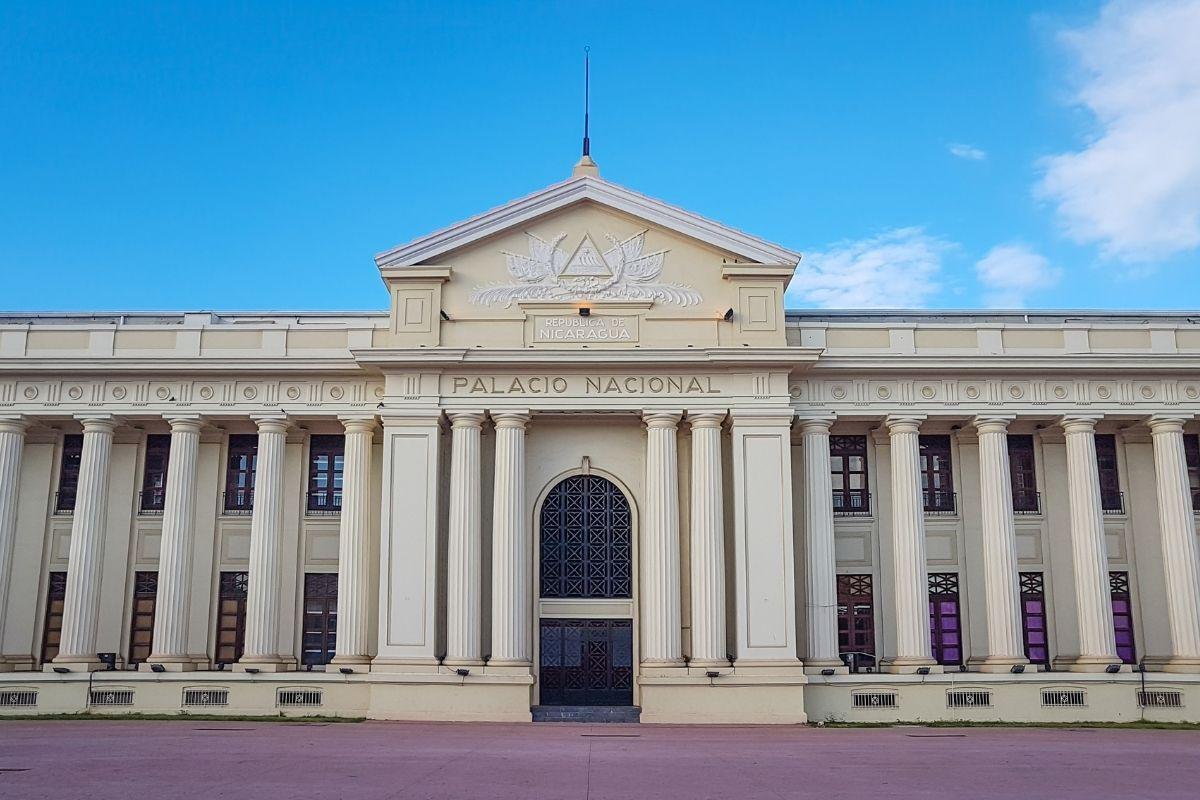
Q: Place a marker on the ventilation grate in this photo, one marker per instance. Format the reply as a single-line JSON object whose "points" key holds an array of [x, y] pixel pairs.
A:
{"points": [[963, 698], [293, 698], [1160, 699], [206, 697], [875, 700], [18, 698], [112, 697], [1064, 697]]}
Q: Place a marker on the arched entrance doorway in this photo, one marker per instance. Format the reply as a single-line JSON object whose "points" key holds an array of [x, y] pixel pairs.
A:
{"points": [[586, 556]]}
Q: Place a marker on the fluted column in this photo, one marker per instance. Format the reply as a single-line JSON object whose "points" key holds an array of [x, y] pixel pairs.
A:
{"points": [[659, 553], [821, 563], [709, 647], [81, 607], [1097, 643], [171, 607], [12, 442], [512, 546], [1178, 533], [909, 572], [464, 606], [1001, 582], [354, 545], [266, 533]]}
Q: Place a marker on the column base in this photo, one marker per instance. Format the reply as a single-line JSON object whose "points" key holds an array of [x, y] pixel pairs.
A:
{"points": [[1096, 664], [709, 663], [411, 666], [999, 664], [351, 661], [16, 664], [508, 668], [169, 664], [1177, 664], [81, 664], [454, 663], [820, 666], [265, 664], [908, 666]]}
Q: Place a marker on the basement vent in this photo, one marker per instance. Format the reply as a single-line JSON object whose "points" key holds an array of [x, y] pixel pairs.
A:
{"points": [[875, 700], [1064, 697], [18, 698], [968, 699], [206, 697], [112, 697], [1152, 699], [294, 698]]}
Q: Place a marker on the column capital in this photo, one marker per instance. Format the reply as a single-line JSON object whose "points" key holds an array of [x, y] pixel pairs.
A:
{"points": [[706, 417], [1079, 423], [993, 423], [358, 423], [98, 423], [815, 424], [510, 418], [1168, 423], [185, 423], [466, 418], [13, 423], [904, 423], [661, 419], [271, 423]]}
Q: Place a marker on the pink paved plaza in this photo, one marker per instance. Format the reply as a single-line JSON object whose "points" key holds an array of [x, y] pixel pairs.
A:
{"points": [[265, 761]]}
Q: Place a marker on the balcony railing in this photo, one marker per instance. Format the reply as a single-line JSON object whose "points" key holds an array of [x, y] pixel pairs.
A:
{"points": [[939, 503], [1112, 502], [153, 500], [64, 502], [237, 503], [851, 503], [327, 503], [1027, 501]]}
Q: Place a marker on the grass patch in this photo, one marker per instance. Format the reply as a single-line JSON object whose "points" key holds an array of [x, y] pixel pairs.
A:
{"points": [[179, 717], [1135, 725]]}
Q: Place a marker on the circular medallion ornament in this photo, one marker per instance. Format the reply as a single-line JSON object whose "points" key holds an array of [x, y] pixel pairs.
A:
{"points": [[795, 391], [31, 392], [1017, 392], [75, 393], [206, 393], [928, 392], [379, 391], [249, 393], [972, 392], [839, 393], [293, 392], [1103, 392], [337, 392], [884, 392], [1192, 392], [1148, 392], [1060, 392], [119, 392], [162, 393]]}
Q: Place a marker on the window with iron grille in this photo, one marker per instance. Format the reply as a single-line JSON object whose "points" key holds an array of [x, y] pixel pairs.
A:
{"points": [[239, 473], [945, 633], [1159, 698], [874, 700], [141, 621], [205, 697], [20, 698], [937, 479], [154, 473], [298, 697], [68, 473], [968, 698], [111, 697], [1022, 474], [1111, 500], [1033, 618], [1122, 609], [231, 617], [848, 470], [587, 540], [56, 595], [320, 618], [1064, 697], [856, 621], [1191, 450], [326, 461]]}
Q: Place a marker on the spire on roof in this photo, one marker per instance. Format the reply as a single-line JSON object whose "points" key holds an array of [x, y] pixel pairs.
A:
{"points": [[585, 165]]}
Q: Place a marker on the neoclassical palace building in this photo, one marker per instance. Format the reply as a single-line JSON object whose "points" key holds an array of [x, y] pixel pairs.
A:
{"points": [[586, 458]]}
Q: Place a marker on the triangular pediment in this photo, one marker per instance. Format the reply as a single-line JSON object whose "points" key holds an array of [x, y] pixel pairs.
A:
{"points": [[521, 212]]}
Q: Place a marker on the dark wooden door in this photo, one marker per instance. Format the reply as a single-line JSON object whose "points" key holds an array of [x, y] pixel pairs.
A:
{"points": [[587, 662]]}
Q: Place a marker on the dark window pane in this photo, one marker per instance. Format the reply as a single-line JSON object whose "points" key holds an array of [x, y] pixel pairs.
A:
{"points": [[1122, 605], [848, 470], [937, 480], [320, 618], [68, 472], [231, 619], [141, 622], [154, 475], [856, 621], [943, 618], [239, 473], [1110, 478], [56, 595], [325, 464]]}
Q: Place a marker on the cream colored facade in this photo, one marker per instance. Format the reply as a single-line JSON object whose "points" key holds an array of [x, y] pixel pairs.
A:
{"points": [[587, 329]]}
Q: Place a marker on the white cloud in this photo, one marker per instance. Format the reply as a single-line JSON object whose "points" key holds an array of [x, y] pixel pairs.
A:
{"points": [[968, 152], [1134, 188], [1011, 271], [897, 269]]}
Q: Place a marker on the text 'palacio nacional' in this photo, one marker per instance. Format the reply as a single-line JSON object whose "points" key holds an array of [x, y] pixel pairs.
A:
{"points": [[587, 459]]}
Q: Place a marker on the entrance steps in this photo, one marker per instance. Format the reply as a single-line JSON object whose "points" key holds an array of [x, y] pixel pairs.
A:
{"points": [[586, 714]]}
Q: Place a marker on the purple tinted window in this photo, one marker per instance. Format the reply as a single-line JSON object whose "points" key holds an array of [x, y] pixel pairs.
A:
{"points": [[1033, 618], [1122, 608], [943, 619]]}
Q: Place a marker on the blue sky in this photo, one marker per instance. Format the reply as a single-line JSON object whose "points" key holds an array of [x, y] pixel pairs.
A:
{"points": [[256, 156]]}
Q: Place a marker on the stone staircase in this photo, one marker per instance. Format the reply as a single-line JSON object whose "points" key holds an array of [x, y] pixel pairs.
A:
{"points": [[586, 714]]}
